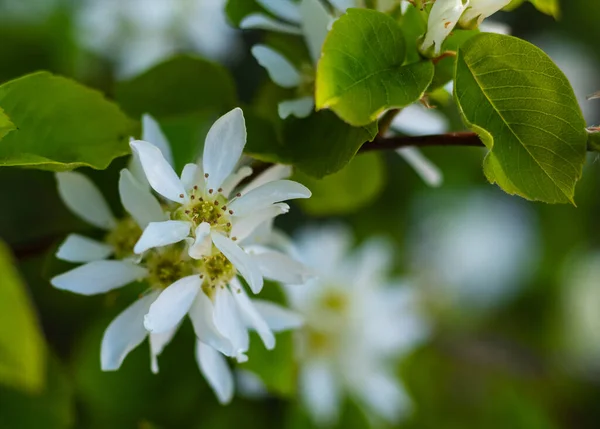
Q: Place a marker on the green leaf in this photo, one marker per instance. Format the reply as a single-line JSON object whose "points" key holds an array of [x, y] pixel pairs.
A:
{"points": [[322, 144], [61, 125], [178, 86], [22, 350], [6, 126], [361, 72], [549, 7], [346, 191], [237, 10], [524, 110]]}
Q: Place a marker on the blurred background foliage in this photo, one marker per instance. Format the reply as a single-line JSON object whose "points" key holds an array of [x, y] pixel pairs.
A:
{"points": [[512, 288]]}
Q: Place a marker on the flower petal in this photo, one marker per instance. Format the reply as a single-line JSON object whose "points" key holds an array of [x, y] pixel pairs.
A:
{"points": [[426, 169], [234, 180], [202, 244], [228, 321], [321, 392], [223, 147], [385, 396], [342, 5], [267, 194], [315, 26], [416, 120], [215, 369], [202, 317], [152, 133], [243, 262], [157, 344], [98, 277], [159, 172], [252, 317], [159, 234], [281, 268], [243, 226], [172, 305], [84, 199], [284, 9], [271, 174], [192, 175], [259, 21], [77, 248], [281, 71], [298, 107], [138, 201], [277, 317], [125, 333]]}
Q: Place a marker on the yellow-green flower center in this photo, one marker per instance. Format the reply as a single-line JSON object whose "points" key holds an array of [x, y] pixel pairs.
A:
{"points": [[123, 237], [210, 208], [217, 271], [167, 265]]}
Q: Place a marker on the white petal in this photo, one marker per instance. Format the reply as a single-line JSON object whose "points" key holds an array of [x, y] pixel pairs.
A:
{"points": [[426, 169], [315, 26], [416, 120], [443, 17], [284, 9], [260, 21], [223, 147], [234, 179], [172, 305], [281, 268], [267, 194], [241, 260], [271, 174], [299, 107], [216, 371], [159, 172], [320, 391], [249, 385], [277, 317], [84, 199], [342, 5], [495, 27], [77, 248], [280, 70], [252, 317], [124, 333], [138, 201], [202, 244], [98, 277], [157, 344], [384, 395], [192, 175], [152, 133], [202, 317], [228, 321], [159, 234], [244, 226]]}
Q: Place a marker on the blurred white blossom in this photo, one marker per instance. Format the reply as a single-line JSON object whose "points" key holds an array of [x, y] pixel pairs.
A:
{"points": [[443, 17], [473, 250], [136, 34], [358, 323]]}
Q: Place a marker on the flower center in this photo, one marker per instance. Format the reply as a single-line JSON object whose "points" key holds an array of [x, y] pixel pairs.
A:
{"points": [[217, 271], [209, 207], [167, 265], [123, 237]]}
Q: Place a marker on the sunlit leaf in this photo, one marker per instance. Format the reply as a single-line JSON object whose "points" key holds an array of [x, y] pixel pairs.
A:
{"points": [[61, 125], [524, 110]]}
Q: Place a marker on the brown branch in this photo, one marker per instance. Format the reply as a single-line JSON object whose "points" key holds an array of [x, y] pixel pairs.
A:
{"points": [[450, 139]]}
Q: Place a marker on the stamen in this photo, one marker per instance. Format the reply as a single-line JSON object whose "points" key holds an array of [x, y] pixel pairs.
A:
{"points": [[195, 187], [210, 191], [220, 190], [238, 195], [216, 203], [206, 175], [224, 208], [193, 197], [180, 195], [230, 211]]}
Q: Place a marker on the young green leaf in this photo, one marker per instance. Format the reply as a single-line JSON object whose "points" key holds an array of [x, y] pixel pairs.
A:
{"points": [[22, 350], [6, 126], [178, 86], [524, 110], [61, 125], [362, 73]]}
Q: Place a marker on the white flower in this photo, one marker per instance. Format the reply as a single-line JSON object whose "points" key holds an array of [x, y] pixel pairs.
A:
{"points": [[308, 18], [204, 212], [207, 290], [443, 17], [135, 34], [357, 323], [478, 10]]}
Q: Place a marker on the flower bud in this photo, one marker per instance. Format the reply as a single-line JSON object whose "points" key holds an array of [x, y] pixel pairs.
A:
{"points": [[443, 18], [478, 10]]}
